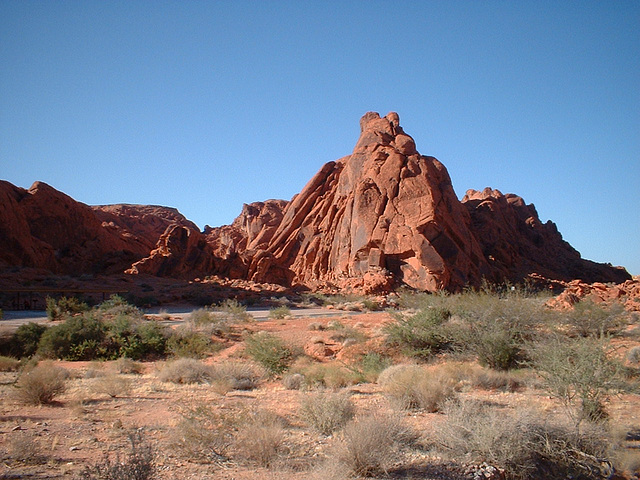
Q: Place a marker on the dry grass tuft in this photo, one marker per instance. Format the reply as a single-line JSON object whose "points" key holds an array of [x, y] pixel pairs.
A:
{"points": [[327, 412], [42, 384]]}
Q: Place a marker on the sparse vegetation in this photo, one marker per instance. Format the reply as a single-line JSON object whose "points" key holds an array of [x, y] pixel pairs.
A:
{"points": [[42, 384], [260, 439], [185, 370], [58, 309], [231, 375], [139, 464], [327, 412], [269, 351], [422, 334], [112, 385], [280, 312], [589, 319], [524, 444]]}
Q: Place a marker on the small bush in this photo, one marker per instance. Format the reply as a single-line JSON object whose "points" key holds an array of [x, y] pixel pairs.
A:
{"points": [[234, 311], [42, 384], [126, 365], [371, 365], [185, 342], [579, 371], [57, 309], [415, 387], [9, 364], [112, 385], [260, 440], [370, 444], [588, 319], [524, 444], [138, 465], [329, 375], [26, 338], [293, 381], [185, 370], [26, 449], [280, 312], [327, 412], [202, 436], [420, 335], [235, 375], [269, 351], [633, 355]]}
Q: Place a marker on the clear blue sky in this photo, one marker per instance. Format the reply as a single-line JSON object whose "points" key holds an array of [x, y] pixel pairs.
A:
{"points": [[204, 106]]}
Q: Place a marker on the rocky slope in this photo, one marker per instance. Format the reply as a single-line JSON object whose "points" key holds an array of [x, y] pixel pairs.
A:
{"points": [[382, 217]]}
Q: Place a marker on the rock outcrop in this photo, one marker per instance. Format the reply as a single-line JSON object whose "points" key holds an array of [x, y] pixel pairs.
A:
{"points": [[516, 243], [181, 252], [252, 230], [144, 223], [383, 211], [382, 217], [626, 294], [44, 228]]}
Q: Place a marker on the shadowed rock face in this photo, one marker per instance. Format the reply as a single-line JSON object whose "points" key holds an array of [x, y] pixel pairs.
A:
{"points": [[44, 228], [516, 243], [383, 209]]}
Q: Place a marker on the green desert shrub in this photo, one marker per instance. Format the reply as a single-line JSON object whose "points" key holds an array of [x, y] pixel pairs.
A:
{"points": [[580, 372], [42, 384], [26, 338], [422, 334], [91, 336], [327, 412], [280, 312], [9, 364], [187, 342], [57, 309], [371, 365], [588, 318], [269, 351], [78, 338], [495, 328], [233, 311]]}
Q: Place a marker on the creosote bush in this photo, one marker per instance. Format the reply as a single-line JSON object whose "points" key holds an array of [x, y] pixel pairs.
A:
{"points": [[370, 444], [57, 309], [525, 444], [422, 334], [280, 312], [580, 372], [42, 384], [269, 351], [231, 375], [185, 370], [418, 387], [327, 412]]}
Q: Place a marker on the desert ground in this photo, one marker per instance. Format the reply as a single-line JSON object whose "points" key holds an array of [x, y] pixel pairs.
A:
{"points": [[326, 414]]}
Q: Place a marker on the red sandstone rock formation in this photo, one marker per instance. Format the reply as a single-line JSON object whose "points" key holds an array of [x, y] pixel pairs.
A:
{"points": [[627, 293], [144, 223], [385, 210], [516, 243], [181, 252], [44, 228], [252, 230]]}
